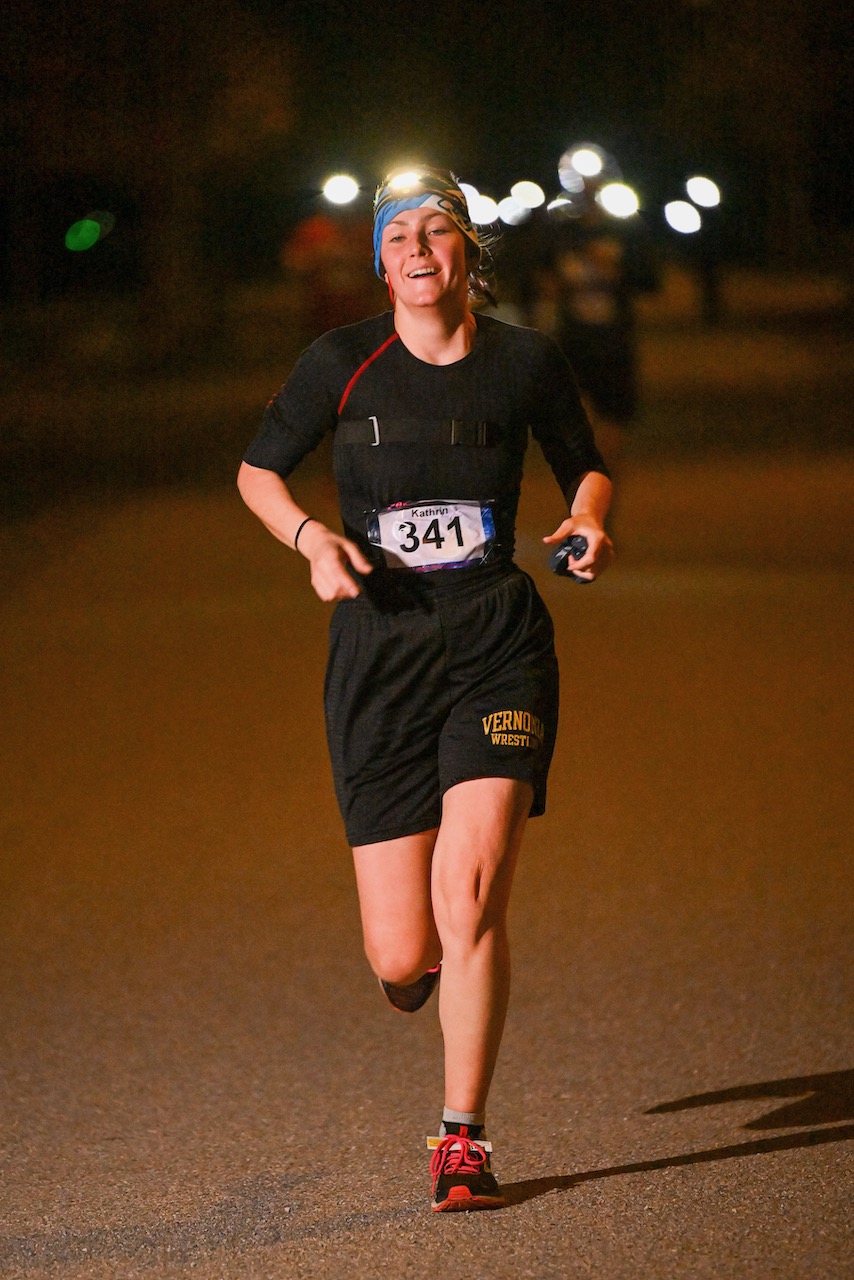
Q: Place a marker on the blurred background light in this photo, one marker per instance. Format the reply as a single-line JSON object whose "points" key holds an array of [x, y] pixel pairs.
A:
{"points": [[82, 235], [618, 199], [470, 193], [86, 232], [587, 160], [511, 211], [483, 210], [570, 179], [682, 216], [340, 189], [703, 192], [528, 194]]}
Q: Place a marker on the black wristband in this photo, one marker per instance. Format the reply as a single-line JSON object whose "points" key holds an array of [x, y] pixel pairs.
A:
{"points": [[300, 529]]}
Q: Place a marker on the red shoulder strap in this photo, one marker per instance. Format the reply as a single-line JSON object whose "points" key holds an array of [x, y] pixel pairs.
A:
{"points": [[361, 369]]}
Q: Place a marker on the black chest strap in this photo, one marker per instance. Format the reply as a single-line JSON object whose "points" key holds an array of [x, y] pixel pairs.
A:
{"points": [[417, 431]]}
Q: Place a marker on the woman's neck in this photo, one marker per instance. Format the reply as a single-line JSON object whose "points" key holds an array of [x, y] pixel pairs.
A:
{"points": [[433, 335]]}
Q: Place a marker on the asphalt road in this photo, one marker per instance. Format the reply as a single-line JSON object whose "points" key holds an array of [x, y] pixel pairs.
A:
{"points": [[199, 1075]]}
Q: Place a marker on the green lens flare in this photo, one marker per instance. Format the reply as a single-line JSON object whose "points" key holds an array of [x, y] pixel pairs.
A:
{"points": [[82, 235], [89, 230]]}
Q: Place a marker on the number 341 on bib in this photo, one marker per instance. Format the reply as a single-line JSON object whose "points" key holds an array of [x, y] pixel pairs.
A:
{"points": [[439, 534]]}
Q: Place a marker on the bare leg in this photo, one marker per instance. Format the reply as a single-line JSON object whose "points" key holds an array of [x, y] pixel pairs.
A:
{"points": [[444, 895], [474, 859], [393, 880]]}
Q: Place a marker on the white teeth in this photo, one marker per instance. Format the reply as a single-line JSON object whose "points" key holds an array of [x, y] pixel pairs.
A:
{"points": [[414, 274]]}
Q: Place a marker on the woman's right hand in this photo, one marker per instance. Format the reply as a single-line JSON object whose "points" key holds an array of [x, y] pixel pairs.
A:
{"points": [[333, 559]]}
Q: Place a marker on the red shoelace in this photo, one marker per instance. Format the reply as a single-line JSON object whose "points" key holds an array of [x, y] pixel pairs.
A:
{"points": [[457, 1154]]}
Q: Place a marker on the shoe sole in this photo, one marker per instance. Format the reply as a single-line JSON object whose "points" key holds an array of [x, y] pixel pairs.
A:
{"points": [[460, 1200], [426, 983]]}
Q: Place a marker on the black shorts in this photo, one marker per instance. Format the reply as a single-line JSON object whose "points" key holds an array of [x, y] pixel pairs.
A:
{"points": [[427, 688]]}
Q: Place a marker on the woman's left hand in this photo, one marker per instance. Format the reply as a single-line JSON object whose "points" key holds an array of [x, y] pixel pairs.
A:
{"points": [[600, 548]]}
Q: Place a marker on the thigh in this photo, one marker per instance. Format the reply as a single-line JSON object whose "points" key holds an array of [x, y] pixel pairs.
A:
{"points": [[393, 882], [477, 849]]}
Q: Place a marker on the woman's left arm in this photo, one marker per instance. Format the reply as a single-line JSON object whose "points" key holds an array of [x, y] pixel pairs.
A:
{"points": [[587, 518]]}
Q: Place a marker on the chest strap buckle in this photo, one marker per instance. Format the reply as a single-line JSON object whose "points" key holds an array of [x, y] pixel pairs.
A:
{"points": [[452, 431]]}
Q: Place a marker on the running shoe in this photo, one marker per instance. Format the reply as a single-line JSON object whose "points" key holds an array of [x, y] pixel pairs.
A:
{"points": [[462, 1178], [410, 998]]}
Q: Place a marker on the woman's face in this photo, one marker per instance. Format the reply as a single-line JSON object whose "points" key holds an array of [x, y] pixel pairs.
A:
{"points": [[424, 256]]}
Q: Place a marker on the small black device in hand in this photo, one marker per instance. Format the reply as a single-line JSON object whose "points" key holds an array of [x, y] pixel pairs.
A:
{"points": [[560, 560]]}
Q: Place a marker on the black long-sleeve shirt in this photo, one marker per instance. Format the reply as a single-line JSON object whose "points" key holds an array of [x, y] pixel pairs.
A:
{"points": [[514, 379]]}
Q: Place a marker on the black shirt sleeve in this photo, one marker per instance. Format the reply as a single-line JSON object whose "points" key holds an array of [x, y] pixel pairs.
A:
{"points": [[559, 423], [299, 416]]}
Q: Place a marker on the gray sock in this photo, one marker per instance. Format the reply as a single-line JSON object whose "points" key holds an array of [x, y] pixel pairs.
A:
{"points": [[471, 1119]]}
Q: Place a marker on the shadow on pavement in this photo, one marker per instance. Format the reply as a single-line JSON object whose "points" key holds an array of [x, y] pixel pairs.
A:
{"points": [[518, 1192], [830, 1100]]}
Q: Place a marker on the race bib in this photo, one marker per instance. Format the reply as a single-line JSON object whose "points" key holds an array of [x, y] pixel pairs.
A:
{"points": [[445, 534]]}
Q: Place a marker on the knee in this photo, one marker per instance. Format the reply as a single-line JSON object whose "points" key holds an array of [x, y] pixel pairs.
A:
{"points": [[469, 909], [400, 960]]}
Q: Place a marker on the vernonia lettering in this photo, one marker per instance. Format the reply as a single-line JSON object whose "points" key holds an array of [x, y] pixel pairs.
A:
{"points": [[513, 722]]}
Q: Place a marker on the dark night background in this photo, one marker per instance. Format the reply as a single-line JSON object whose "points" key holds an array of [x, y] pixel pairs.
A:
{"points": [[207, 128]]}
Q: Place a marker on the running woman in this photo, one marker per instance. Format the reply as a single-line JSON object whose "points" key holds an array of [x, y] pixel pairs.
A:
{"points": [[441, 695]]}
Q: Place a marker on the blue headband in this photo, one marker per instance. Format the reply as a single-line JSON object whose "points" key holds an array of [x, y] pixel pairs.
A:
{"points": [[432, 187]]}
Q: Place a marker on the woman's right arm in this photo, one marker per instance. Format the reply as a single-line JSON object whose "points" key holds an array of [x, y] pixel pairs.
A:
{"points": [[329, 554]]}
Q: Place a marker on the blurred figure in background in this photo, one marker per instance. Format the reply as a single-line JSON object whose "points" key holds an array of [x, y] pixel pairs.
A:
{"points": [[589, 269], [325, 260]]}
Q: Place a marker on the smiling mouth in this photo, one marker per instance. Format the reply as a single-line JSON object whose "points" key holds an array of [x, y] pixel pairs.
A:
{"points": [[425, 271]]}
